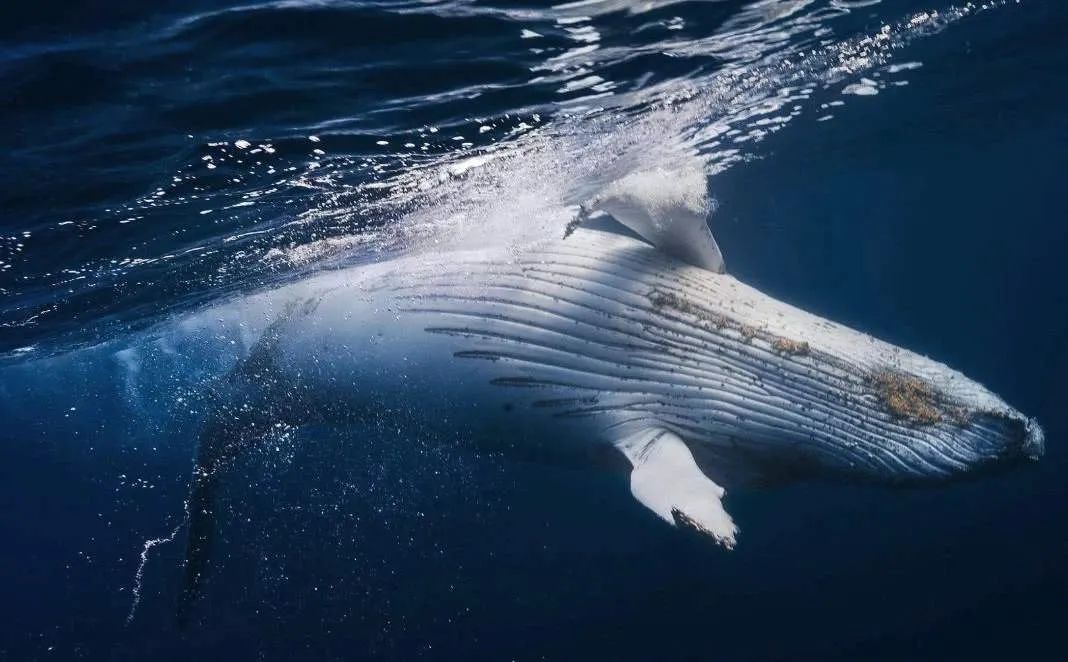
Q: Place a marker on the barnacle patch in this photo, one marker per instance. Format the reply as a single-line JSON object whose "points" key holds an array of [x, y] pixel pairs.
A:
{"points": [[787, 346], [911, 398]]}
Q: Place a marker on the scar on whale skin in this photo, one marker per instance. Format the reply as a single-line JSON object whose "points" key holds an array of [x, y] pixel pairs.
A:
{"points": [[661, 299]]}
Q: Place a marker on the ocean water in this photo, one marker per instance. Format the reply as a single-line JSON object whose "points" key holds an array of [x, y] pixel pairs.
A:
{"points": [[897, 166]]}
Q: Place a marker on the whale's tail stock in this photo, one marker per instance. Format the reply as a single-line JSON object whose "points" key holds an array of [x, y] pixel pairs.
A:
{"points": [[201, 532], [247, 411], [223, 439], [248, 408]]}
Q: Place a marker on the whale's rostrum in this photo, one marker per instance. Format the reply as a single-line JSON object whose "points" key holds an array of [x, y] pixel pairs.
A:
{"points": [[637, 343]]}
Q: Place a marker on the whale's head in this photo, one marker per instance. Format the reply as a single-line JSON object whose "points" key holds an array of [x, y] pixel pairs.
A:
{"points": [[926, 420], [794, 393], [888, 414]]}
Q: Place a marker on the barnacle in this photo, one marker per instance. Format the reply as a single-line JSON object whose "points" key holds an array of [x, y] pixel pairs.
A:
{"points": [[787, 346], [908, 397]]}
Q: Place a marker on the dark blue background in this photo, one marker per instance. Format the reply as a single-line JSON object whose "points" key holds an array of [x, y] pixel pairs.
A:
{"points": [[931, 215]]}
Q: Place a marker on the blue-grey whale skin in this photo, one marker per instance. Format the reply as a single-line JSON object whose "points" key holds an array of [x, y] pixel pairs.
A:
{"points": [[601, 339]]}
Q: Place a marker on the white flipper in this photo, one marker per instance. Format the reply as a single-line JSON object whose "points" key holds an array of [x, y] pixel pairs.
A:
{"points": [[667, 480], [667, 208]]}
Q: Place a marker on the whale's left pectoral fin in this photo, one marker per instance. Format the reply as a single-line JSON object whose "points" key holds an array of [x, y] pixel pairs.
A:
{"points": [[666, 480], [667, 207]]}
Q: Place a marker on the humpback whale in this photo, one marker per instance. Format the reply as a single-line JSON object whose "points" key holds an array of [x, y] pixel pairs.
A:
{"points": [[626, 334]]}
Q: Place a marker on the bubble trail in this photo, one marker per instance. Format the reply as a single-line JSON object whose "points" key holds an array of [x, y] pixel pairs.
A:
{"points": [[139, 576]]}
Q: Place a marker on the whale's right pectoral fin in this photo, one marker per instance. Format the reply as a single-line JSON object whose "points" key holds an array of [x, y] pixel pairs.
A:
{"points": [[666, 480]]}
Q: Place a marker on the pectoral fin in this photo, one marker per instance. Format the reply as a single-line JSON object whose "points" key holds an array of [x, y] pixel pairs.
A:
{"points": [[668, 208], [667, 481]]}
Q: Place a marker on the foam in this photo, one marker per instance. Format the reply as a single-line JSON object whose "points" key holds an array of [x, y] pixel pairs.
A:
{"points": [[516, 178]]}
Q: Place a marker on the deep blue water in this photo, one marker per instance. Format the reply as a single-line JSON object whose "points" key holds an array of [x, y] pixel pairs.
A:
{"points": [[931, 214]]}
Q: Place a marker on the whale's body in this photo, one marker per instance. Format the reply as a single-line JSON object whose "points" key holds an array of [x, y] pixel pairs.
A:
{"points": [[602, 332], [602, 340]]}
